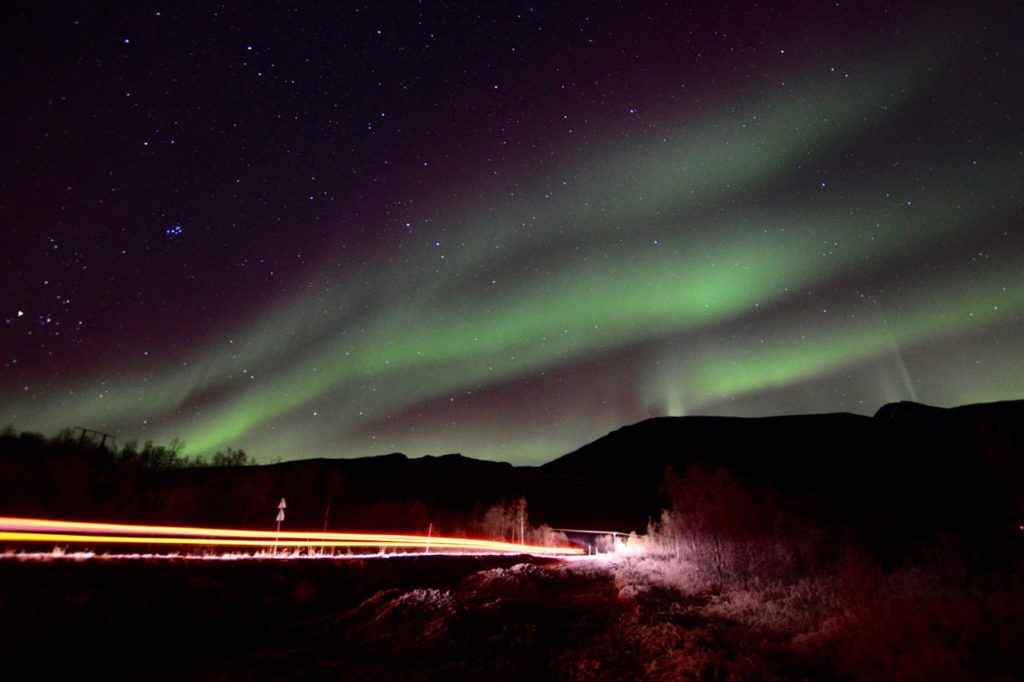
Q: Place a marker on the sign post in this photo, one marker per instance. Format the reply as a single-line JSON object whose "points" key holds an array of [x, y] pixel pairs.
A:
{"points": [[282, 505]]}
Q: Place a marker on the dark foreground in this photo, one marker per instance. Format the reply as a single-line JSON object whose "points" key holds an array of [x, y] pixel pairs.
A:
{"points": [[164, 618], [498, 618], [380, 618]]}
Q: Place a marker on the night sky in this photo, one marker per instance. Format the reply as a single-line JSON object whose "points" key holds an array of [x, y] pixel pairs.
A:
{"points": [[502, 229]]}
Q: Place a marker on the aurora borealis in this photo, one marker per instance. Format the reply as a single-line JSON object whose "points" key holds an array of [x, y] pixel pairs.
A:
{"points": [[344, 231]]}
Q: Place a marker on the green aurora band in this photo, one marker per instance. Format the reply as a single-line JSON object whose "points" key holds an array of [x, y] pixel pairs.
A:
{"points": [[677, 250]]}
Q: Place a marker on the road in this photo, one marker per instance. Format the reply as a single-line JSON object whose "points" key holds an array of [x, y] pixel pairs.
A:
{"points": [[22, 531]]}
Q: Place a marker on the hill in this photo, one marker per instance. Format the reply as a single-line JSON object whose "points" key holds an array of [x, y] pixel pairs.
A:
{"points": [[921, 469], [916, 468]]}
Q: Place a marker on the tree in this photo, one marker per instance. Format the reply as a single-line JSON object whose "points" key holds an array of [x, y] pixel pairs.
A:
{"points": [[715, 519], [507, 521], [230, 458]]}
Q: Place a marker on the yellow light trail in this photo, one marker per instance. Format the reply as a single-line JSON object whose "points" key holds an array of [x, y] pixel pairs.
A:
{"points": [[51, 530]]}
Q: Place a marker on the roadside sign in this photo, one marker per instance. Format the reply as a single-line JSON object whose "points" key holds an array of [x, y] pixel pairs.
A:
{"points": [[281, 506]]}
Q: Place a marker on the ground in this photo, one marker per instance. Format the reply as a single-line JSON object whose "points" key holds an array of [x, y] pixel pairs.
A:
{"points": [[433, 617]]}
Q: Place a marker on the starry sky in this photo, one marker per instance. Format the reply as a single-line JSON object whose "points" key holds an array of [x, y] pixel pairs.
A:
{"points": [[502, 229]]}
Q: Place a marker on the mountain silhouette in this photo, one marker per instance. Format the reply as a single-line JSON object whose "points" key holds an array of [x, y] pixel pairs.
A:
{"points": [[910, 471]]}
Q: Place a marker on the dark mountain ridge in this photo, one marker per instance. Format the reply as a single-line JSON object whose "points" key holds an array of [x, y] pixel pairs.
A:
{"points": [[914, 467], [926, 466]]}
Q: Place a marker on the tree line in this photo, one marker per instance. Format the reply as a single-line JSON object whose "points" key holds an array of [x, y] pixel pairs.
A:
{"points": [[148, 456]]}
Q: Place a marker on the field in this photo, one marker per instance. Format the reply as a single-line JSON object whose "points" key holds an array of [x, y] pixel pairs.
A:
{"points": [[509, 617]]}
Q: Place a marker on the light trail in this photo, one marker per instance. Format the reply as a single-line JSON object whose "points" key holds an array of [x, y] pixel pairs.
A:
{"points": [[58, 531], [233, 542]]}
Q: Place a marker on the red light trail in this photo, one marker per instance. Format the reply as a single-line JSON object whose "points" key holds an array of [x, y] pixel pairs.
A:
{"points": [[57, 531]]}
